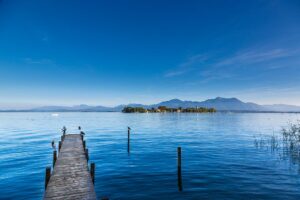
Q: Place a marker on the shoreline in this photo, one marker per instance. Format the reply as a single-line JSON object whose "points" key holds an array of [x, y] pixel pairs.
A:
{"points": [[219, 111]]}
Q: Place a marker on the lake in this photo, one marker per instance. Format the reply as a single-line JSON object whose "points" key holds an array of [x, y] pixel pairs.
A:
{"points": [[219, 158]]}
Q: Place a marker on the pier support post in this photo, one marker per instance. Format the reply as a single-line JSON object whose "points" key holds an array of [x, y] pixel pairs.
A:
{"points": [[128, 140], [54, 157], [59, 146], [84, 144], [62, 138], [93, 172], [179, 169], [47, 177], [87, 154]]}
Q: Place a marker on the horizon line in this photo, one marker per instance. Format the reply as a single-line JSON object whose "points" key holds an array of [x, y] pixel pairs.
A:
{"points": [[19, 106]]}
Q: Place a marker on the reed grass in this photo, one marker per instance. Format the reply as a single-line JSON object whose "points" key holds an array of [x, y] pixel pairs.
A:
{"points": [[287, 142]]}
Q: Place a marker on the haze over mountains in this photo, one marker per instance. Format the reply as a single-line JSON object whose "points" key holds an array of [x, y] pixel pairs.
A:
{"points": [[219, 103]]}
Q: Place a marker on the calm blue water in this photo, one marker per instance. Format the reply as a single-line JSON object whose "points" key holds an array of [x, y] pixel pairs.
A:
{"points": [[219, 159]]}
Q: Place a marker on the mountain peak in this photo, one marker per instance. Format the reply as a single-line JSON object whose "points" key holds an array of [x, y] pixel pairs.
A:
{"points": [[175, 101], [222, 99]]}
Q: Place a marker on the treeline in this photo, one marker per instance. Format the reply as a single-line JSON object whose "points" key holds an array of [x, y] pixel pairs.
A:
{"points": [[166, 109]]}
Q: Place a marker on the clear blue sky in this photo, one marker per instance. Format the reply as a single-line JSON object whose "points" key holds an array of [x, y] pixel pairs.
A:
{"points": [[55, 52]]}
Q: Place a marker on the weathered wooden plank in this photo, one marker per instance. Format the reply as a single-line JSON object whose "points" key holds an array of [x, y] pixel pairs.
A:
{"points": [[70, 178]]}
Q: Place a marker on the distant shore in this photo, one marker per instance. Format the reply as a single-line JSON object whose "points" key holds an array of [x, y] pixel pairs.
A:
{"points": [[164, 109], [218, 103], [85, 111]]}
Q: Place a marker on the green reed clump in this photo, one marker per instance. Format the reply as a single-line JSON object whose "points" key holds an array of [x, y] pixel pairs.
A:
{"points": [[291, 137], [286, 142]]}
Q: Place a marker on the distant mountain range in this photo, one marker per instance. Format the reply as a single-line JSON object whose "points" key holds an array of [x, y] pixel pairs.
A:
{"points": [[219, 103]]}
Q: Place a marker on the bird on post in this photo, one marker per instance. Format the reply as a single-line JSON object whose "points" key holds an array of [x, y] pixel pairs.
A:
{"points": [[53, 144], [64, 130]]}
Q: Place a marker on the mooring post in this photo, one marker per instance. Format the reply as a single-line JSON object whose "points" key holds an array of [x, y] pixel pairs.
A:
{"points": [[87, 154], [93, 172], [84, 144], [47, 177], [81, 137], [179, 169], [59, 146], [128, 140], [54, 157]]}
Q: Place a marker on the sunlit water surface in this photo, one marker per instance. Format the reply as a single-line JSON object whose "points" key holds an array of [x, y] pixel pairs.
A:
{"points": [[219, 158]]}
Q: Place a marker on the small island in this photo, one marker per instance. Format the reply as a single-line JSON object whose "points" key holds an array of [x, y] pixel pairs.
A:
{"points": [[164, 109]]}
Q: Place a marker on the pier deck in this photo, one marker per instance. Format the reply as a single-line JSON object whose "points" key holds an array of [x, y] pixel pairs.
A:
{"points": [[71, 178]]}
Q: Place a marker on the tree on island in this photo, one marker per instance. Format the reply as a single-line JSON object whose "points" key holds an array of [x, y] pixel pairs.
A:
{"points": [[134, 110]]}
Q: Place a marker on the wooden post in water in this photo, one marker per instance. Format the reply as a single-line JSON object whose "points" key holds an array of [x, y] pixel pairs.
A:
{"points": [[128, 140], [87, 154], [54, 157], [93, 172], [84, 144], [47, 177], [179, 169], [59, 146]]}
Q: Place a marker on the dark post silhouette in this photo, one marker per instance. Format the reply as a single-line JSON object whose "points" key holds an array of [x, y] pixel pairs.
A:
{"points": [[53, 144], [179, 169], [93, 172], [87, 154], [59, 146], [54, 157], [84, 144], [64, 131], [47, 177], [128, 140]]}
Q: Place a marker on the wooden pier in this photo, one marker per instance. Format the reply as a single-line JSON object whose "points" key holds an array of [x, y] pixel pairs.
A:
{"points": [[71, 177]]}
